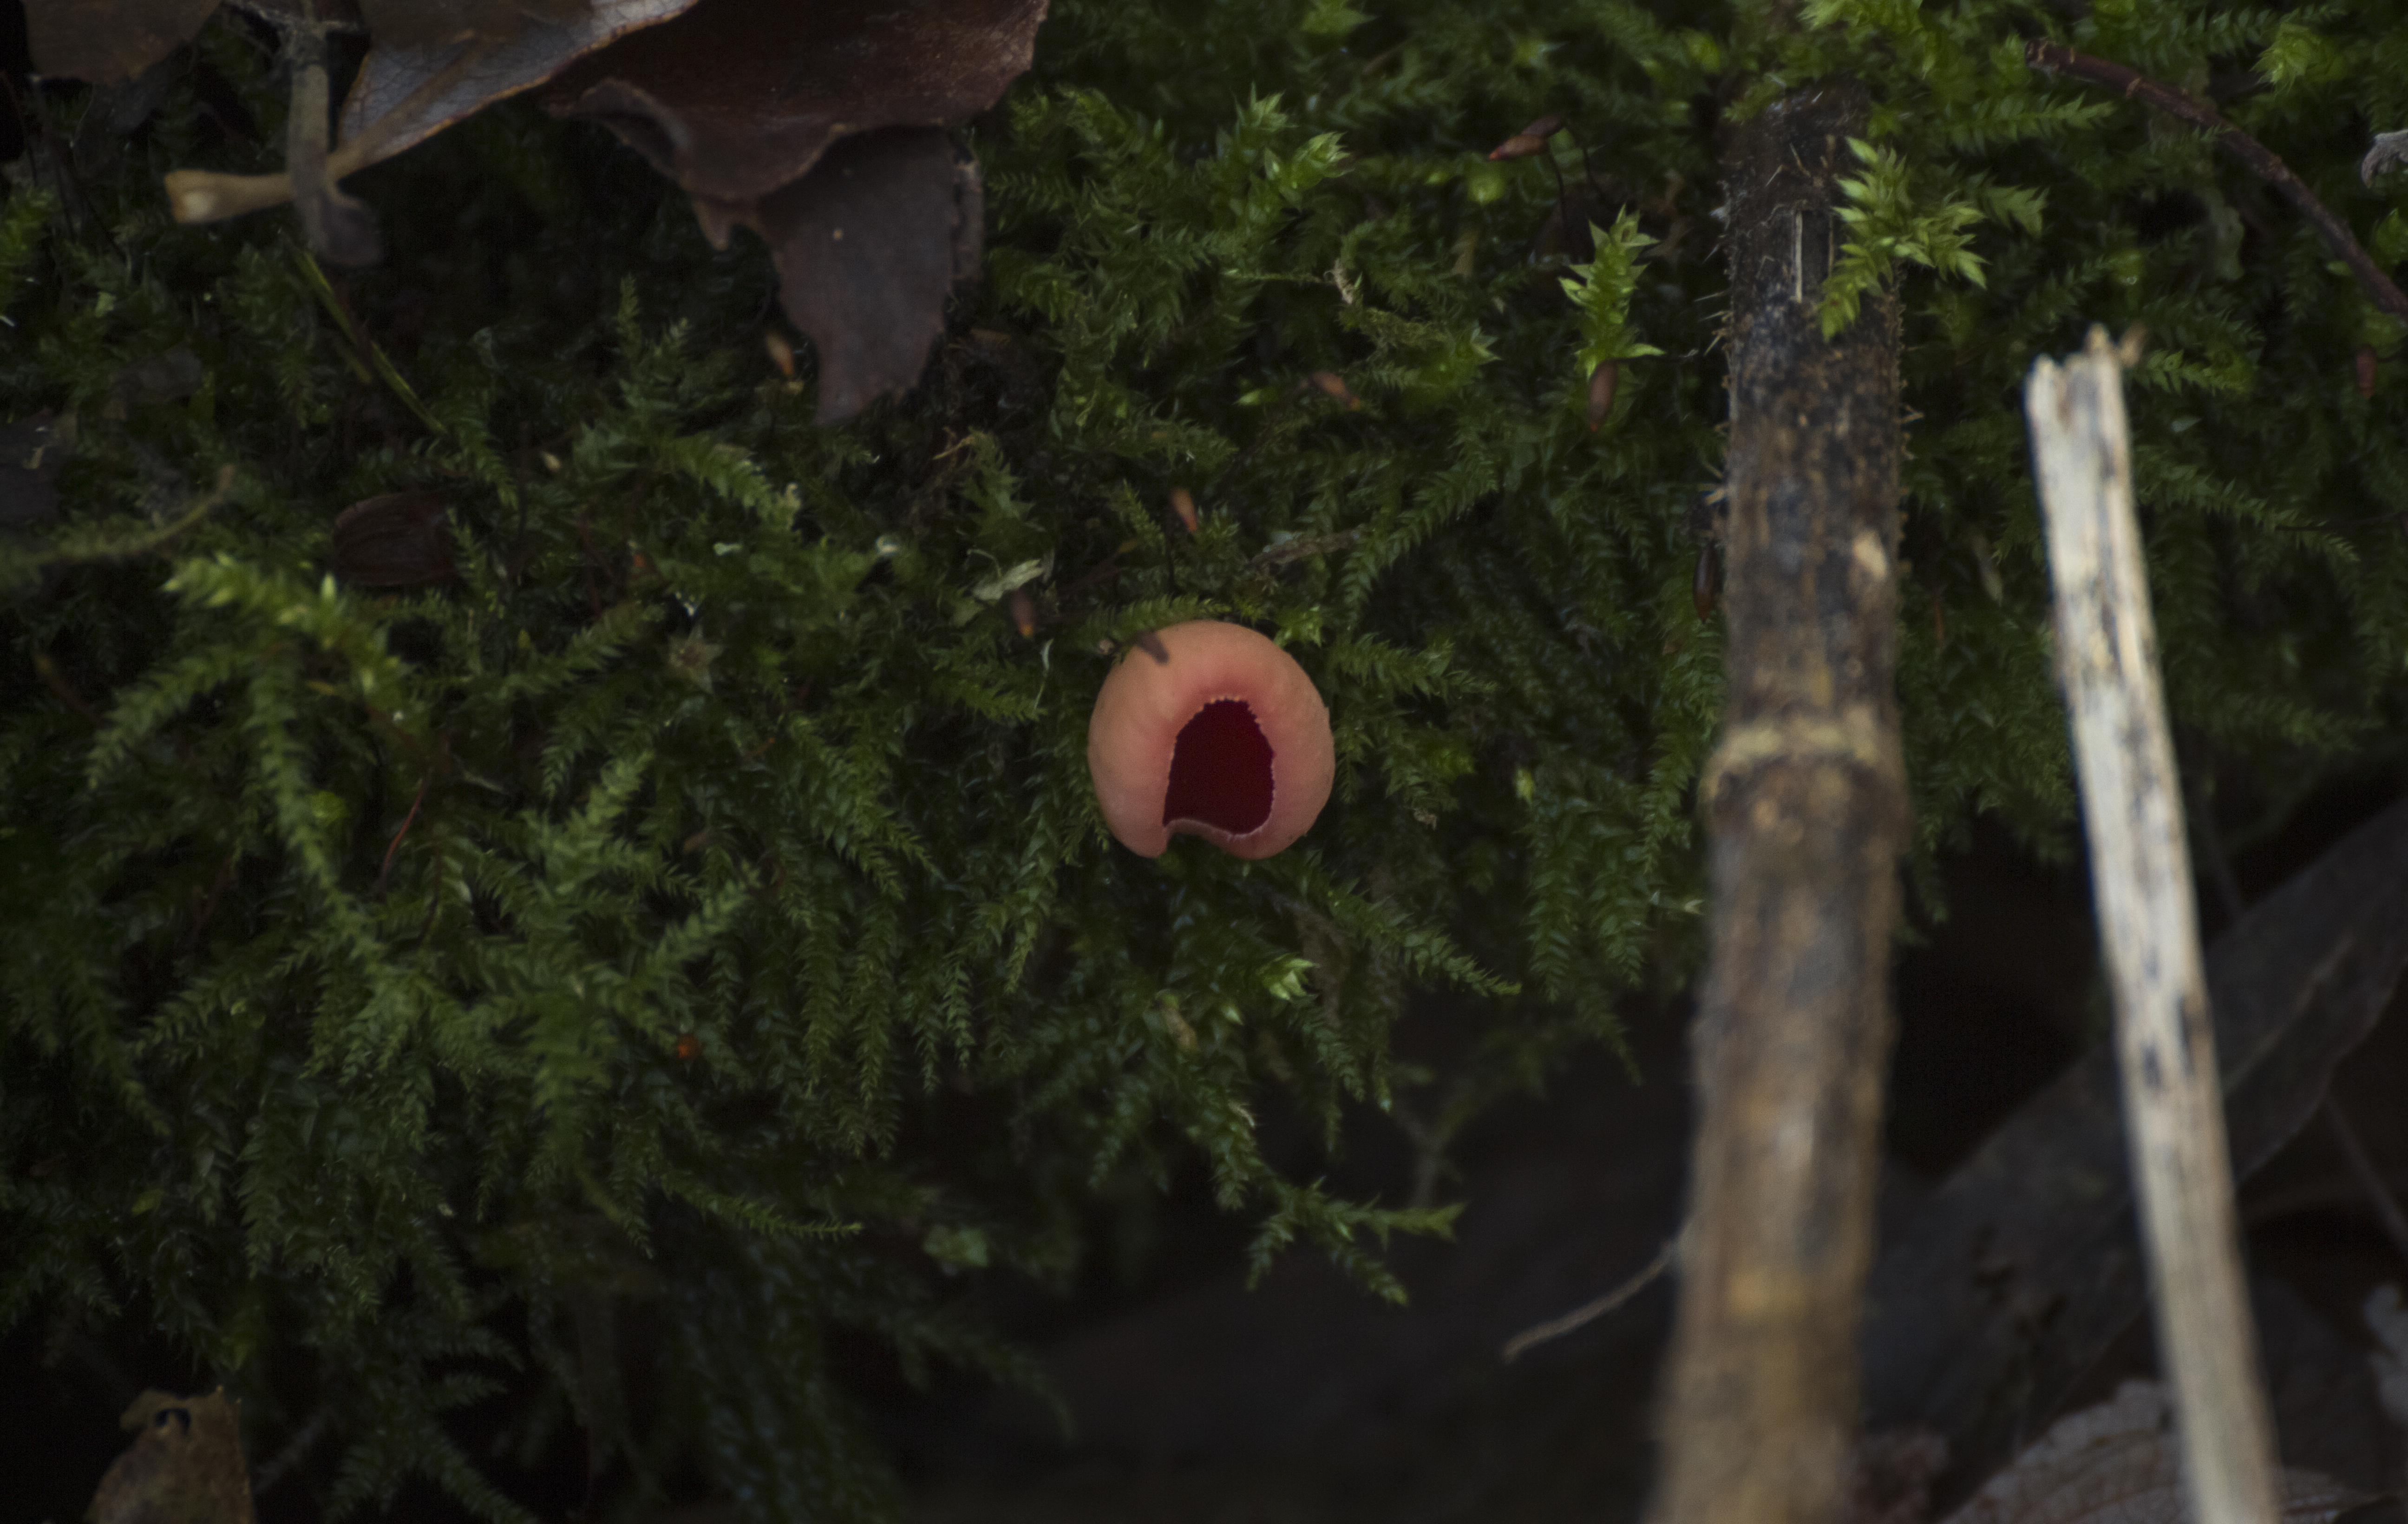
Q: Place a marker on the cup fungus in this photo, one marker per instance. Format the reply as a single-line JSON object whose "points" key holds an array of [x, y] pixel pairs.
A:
{"points": [[1209, 729]]}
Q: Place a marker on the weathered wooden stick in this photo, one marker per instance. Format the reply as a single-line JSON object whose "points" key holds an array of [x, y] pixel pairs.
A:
{"points": [[1806, 797], [2148, 928]]}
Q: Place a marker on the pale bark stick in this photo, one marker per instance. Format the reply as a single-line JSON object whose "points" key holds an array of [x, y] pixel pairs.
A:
{"points": [[2148, 929]]}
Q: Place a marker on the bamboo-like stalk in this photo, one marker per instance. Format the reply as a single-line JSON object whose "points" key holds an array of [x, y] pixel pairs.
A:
{"points": [[2148, 928], [1806, 798]]}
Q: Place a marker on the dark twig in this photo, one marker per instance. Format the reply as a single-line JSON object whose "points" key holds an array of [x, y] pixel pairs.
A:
{"points": [[209, 909], [291, 1455], [407, 821], [2198, 789], [2059, 59], [54, 680], [592, 556], [2369, 1179]]}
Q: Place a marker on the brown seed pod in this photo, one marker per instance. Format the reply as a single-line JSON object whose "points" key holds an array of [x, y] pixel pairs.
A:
{"points": [[1701, 582], [1530, 140], [2366, 363], [1182, 503], [1334, 385], [400, 540], [1601, 382]]}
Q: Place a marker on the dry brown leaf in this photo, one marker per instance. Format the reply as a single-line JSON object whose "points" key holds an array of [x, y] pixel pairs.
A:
{"points": [[2120, 1463], [406, 94], [460, 77], [408, 24], [185, 1465], [821, 129], [867, 246], [736, 99], [108, 41], [820, 126]]}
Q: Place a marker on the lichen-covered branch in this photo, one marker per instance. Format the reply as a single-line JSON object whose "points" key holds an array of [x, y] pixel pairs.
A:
{"points": [[2148, 934]]}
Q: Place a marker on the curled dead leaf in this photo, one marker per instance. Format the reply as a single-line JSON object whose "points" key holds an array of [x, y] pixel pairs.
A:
{"points": [[414, 22], [822, 129], [407, 91], [735, 99], [819, 127], [867, 247], [108, 41]]}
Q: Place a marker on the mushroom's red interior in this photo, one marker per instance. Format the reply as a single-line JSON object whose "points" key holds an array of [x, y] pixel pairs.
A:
{"points": [[1221, 769]]}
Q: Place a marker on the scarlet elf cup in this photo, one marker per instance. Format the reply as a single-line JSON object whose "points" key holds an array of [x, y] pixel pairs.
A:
{"points": [[1209, 729]]}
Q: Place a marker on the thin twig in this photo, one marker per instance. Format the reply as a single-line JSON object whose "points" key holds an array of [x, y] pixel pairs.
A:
{"points": [[2059, 59], [1556, 1328], [1300, 547], [97, 552], [56, 681], [2198, 790], [291, 1455], [2369, 1179], [386, 872]]}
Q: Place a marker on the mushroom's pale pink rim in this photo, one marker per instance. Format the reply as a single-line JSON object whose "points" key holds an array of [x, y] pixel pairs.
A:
{"points": [[1147, 700]]}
